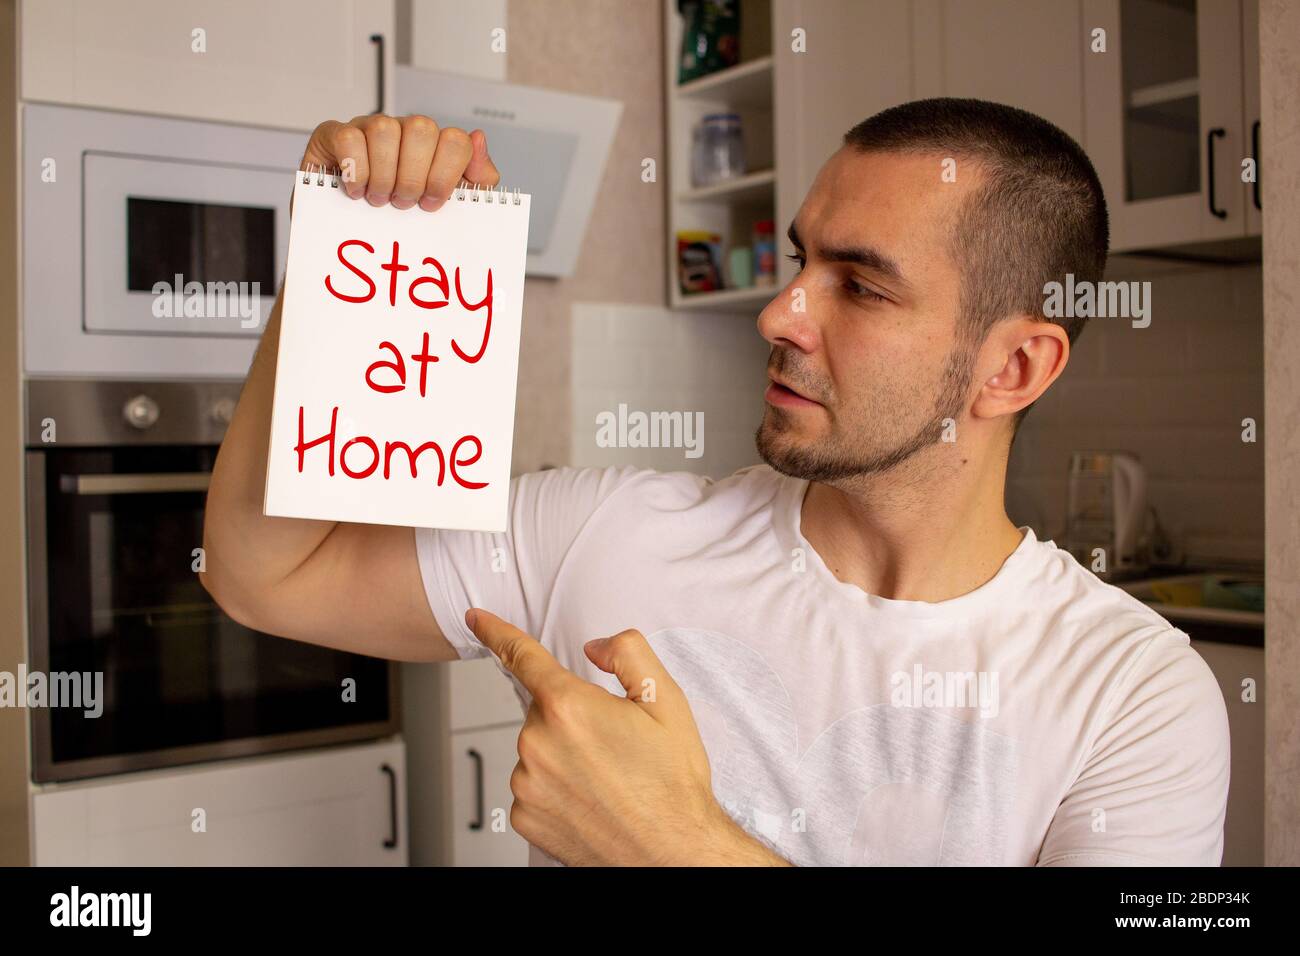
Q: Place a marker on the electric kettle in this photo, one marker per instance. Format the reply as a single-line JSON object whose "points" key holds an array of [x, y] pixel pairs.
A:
{"points": [[1107, 511]]}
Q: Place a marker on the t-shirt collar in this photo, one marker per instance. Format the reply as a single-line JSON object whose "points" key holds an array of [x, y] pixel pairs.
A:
{"points": [[1013, 573]]}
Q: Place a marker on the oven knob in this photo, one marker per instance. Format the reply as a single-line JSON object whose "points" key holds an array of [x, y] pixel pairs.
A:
{"points": [[223, 410], [140, 412]]}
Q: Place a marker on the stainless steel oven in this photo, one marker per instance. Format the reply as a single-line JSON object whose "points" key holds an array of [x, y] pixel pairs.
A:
{"points": [[117, 474]]}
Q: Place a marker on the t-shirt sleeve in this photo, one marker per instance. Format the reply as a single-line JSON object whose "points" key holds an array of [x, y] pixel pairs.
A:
{"points": [[512, 573], [1154, 789]]}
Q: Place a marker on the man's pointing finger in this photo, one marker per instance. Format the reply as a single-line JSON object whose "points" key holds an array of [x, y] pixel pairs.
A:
{"points": [[519, 653]]}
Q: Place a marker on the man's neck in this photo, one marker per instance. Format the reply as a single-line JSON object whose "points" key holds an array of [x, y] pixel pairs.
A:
{"points": [[930, 529]]}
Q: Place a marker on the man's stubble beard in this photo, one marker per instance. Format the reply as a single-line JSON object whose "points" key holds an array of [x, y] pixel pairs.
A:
{"points": [[834, 463]]}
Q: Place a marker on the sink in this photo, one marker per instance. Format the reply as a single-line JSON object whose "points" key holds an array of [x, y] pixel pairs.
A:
{"points": [[1226, 597]]}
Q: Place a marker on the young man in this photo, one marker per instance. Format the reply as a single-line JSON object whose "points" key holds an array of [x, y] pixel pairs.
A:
{"points": [[847, 656]]}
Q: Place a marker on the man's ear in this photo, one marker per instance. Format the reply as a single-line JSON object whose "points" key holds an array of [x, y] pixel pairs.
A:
{"points": [[1020, 358]]}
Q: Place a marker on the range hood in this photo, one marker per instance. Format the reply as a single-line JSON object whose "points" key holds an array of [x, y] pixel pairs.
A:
{"points": [[550, 145]]}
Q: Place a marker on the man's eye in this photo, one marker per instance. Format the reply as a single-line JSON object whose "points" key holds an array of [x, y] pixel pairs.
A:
{"points": [[862, 291], [796, 259]]}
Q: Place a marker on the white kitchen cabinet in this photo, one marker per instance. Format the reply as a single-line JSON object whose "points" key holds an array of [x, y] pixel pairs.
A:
{"points": [[482, 761], [291, 63], [1024, 53], [857, 62], [1177, 77], [461, 720], [334, 806], [1250, 63], [481, 695], [1164, 119], [1233, 664], [864, 56]]}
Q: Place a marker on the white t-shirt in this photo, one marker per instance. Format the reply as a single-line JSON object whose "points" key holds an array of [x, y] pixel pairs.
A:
{"points": [[1043, 718]]}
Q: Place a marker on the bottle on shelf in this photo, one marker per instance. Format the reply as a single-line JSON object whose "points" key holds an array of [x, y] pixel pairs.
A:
{"points": [[765, 252]]}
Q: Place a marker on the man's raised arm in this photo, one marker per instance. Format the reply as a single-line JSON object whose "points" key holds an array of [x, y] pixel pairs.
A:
{"points": [[350, 586]]}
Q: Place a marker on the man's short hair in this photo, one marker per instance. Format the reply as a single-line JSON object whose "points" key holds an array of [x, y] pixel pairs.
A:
{"points": [[1038, 214]]}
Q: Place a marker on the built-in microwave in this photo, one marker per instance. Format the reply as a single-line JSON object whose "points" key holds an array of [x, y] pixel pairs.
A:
{"points": [[152, 247]]}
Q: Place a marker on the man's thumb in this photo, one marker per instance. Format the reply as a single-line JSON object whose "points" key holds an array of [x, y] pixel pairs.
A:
{"points": [[629, 657]]}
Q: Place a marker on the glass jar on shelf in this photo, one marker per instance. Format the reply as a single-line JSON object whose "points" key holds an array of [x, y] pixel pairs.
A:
{"points": [[718, 150]]}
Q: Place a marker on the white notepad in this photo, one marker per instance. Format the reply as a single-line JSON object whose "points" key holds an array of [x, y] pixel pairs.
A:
{"points": [[440, 459]]}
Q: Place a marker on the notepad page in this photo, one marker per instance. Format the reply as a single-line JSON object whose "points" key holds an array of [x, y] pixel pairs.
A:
{"points": [[398, 360]]}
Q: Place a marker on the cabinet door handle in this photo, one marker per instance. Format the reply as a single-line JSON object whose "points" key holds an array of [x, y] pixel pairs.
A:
{"points": [[1209, 164], [1254, 151], [378, 40], [477, 822], [391, 842]]}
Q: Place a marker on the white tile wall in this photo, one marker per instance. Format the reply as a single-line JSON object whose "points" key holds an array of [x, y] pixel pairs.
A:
{"points": [[1174, 394], [654, 359]]}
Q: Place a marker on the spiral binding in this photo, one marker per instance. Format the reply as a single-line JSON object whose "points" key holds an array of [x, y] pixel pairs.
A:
{"points": [[321, 172], [465, 191], [474, 192]]}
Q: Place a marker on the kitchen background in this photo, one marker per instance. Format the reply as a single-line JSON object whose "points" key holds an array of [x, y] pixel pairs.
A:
{"points": [[619, 328]]}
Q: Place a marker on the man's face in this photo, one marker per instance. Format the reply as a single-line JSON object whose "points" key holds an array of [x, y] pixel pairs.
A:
{"points": [[865, 373]]}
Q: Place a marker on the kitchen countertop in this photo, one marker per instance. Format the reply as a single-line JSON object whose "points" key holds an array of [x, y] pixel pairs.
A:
{"points": [[1223, 625]]}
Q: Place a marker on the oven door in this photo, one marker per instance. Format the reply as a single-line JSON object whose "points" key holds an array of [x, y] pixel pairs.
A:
{"points": [[115, 543]]}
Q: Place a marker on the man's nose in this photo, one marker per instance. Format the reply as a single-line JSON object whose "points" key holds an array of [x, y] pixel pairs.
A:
{"points": [[787, 320]]}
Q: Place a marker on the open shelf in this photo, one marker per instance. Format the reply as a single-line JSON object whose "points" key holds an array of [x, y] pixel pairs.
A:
{"points": [[728, 210], [1164, 92], [743, 188], [745, 84], [727, 300]]}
